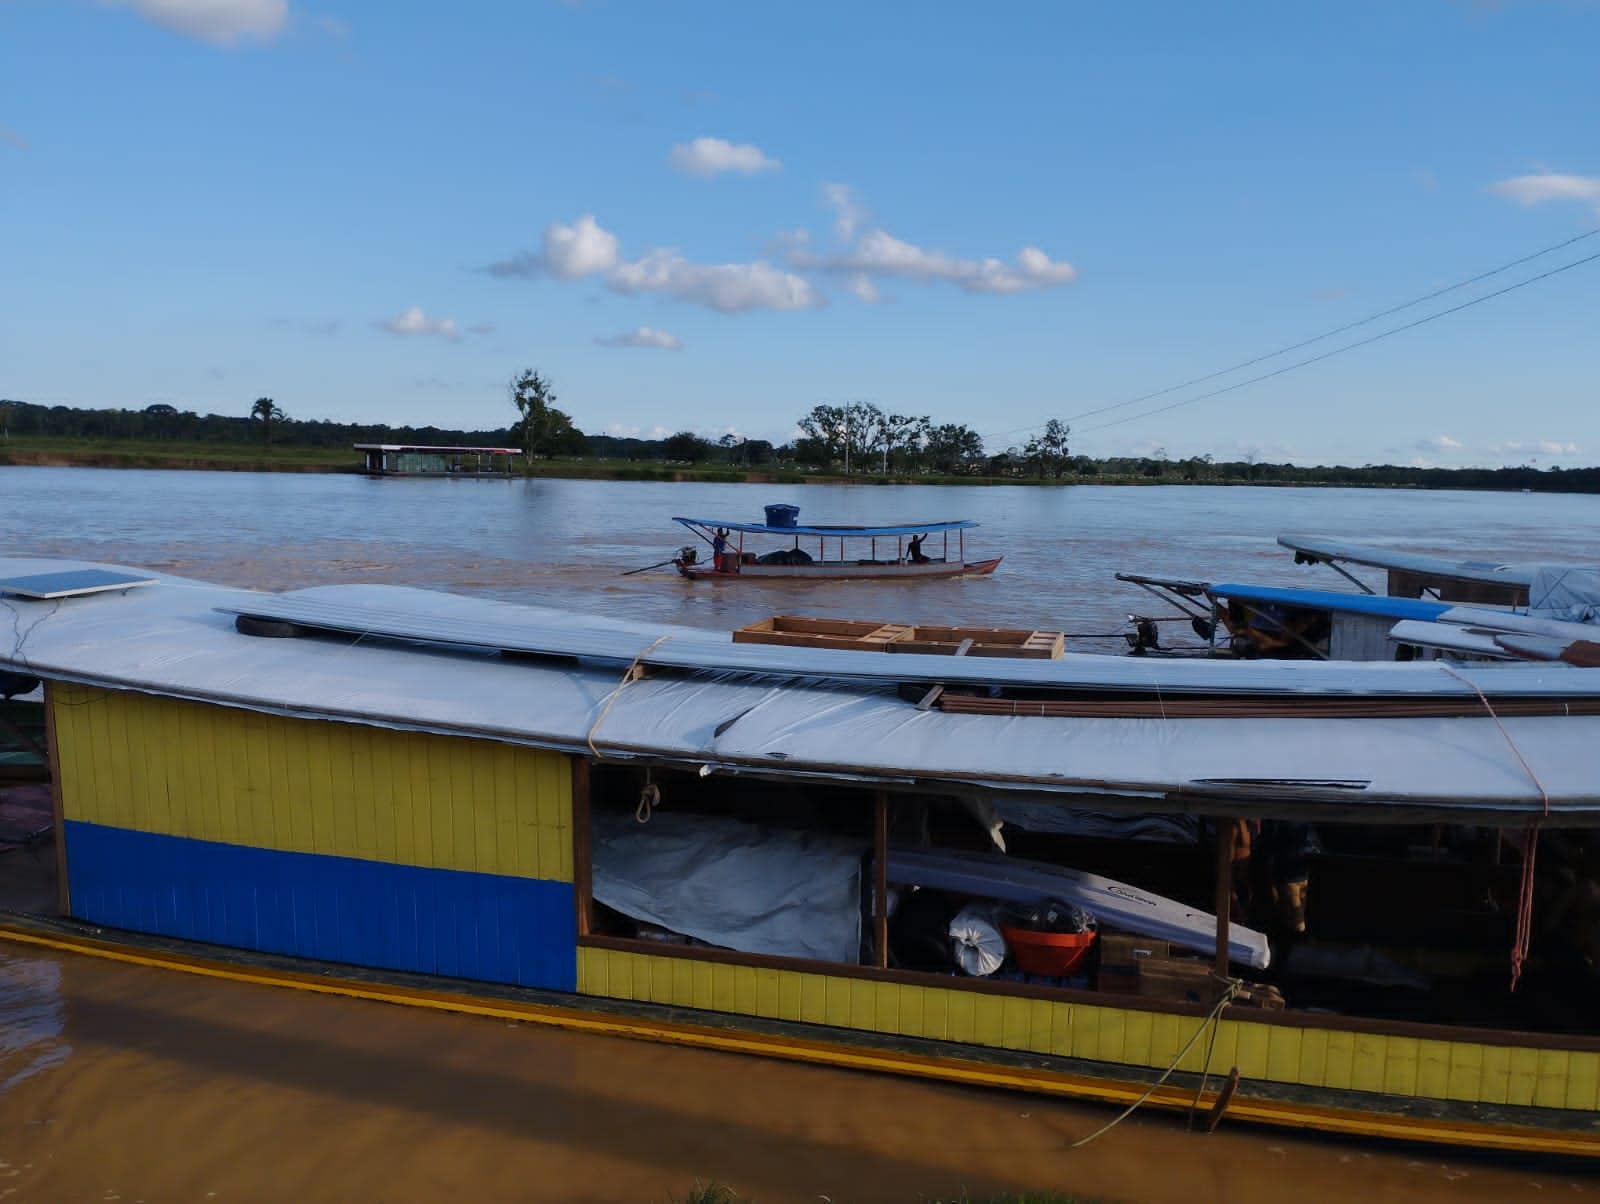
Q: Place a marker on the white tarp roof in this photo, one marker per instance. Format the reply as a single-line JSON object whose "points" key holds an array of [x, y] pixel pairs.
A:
{"points": [[169, 638]]}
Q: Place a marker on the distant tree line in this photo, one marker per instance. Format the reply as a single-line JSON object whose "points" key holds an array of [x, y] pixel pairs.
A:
{"points": [[857, 438]]}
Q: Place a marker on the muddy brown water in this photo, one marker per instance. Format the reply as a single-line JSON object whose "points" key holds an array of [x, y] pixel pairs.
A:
{"points": [[128, 1083], [124, 1083]]}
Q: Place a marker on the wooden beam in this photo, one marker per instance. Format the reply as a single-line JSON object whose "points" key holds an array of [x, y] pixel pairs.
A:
{"points": [[1225, 835], [53, 753], [880, 884], [932, 696], [582, 866]]}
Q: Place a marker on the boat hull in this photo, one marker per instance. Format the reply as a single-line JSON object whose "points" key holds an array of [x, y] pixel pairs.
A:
{"points": [[837, 571]]}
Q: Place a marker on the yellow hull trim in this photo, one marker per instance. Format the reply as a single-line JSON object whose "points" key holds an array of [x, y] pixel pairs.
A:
{"points": [[1283, 1114]]}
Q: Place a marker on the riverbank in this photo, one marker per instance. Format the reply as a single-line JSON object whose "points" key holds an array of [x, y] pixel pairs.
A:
{"points": [[220, 456], [230, 457]]}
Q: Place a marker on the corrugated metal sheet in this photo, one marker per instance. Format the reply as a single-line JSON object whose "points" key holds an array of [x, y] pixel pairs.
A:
{"points": [[489, 927]]}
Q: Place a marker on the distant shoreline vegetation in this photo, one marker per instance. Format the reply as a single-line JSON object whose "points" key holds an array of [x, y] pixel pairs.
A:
{"points": [[898, 450]]}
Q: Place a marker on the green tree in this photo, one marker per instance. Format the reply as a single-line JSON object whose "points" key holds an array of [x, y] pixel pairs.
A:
{"points": [[546, 431], [1048, 450], [686, 445], [266, 411], [952, 445]]}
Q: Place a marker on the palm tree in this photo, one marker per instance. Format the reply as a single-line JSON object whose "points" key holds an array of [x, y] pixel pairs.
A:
{"points": [[268, 412]]}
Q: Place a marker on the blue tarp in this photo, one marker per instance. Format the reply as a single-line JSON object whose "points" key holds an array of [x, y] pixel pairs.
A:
{"points": [[846, 532], [1334, 600]]}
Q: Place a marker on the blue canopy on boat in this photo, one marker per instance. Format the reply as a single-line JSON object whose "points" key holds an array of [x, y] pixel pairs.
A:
{"points": [[1334, 600], [712, 524]]}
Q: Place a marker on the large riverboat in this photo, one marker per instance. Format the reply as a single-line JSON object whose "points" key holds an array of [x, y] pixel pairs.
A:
{"points": [[1304, 893]]}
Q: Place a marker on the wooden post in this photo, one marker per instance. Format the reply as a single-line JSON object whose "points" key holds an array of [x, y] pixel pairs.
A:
{"points": [[1225, 835], [57, 813], [880, 884], [582, 873]]}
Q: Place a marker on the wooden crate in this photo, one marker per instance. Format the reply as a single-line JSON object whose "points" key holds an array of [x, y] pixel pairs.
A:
{"points": [[795, 631], [986, 641]]}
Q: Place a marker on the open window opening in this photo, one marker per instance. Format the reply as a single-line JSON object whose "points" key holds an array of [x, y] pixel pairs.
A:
{"points": [[1350, 924], [29, 874]]}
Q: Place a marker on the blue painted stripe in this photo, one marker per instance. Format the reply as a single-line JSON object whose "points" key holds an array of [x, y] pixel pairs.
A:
{"points": [[487, 927]]}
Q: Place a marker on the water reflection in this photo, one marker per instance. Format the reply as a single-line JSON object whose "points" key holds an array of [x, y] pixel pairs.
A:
{"points": [[32, 1031]]}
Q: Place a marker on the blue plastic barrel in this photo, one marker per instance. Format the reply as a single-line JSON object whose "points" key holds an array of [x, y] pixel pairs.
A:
{"points": [[781, 515]]}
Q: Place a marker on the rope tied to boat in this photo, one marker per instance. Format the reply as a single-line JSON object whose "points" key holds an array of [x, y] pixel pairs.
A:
{"points": [[632, 673], [1231, 988], [1530, 844]]}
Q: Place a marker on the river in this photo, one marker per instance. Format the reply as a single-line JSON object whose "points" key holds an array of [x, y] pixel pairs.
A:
{"points": [[123, 1083]]}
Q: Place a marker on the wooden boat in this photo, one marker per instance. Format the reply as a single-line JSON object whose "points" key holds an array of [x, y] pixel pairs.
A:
{"points": [[841, 552], [525, 813]]}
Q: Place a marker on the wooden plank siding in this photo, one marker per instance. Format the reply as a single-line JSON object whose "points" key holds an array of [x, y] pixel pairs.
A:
{"points": [[159, 765], [334, 841], [1464, 1071]]}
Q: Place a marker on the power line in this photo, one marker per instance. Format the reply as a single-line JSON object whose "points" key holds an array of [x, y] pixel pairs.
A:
{"points": [[1443, 313], [1328, 334]]}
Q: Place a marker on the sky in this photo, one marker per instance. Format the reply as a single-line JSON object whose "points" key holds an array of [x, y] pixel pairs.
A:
{"points": [[717, 215]]}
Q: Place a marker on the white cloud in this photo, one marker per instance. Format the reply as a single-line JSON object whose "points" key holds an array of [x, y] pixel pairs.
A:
{"points": [[880, 254], [727, 287], [413, 321], [586, 249], [1439, 443], [644, 336], [1535, 447], [10, 137], [863, 288], [715, 156], [1549, 186], [220, 22], [568, 252], [848, 213]]}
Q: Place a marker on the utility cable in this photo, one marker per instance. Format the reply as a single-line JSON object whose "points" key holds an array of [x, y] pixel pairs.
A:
{"points": [[1370, 339], [1338, 330]]}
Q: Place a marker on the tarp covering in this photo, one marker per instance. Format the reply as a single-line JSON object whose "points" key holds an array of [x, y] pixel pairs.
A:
{"points": [[169, 638], [1050, 816], [1566, 594], [739, 886], [1333, 600]]}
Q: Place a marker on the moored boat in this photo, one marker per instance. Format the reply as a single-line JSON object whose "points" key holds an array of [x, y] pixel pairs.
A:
{"points": [[842, 552], [1304, 872]]}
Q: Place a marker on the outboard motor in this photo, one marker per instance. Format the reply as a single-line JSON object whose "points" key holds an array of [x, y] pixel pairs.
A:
{"points": [[688, 554], [1145, 636]]}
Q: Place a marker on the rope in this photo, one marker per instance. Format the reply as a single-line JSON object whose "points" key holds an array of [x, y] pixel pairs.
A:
{"points": [[1530, 845], [1232, 989], [628, 675]]}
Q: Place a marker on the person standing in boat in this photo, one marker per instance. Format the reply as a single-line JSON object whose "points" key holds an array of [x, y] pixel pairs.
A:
{"points": [[719, 551]]}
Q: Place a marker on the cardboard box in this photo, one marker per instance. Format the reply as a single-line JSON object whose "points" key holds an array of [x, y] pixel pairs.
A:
{"points": [[1122, 949]]}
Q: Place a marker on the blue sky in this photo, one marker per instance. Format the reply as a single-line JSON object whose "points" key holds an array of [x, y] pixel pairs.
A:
{"points": [[717, 215]]}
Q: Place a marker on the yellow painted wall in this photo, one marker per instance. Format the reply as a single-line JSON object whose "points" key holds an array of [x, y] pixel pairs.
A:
{"points": [[1405, 1066], [152, 764]]}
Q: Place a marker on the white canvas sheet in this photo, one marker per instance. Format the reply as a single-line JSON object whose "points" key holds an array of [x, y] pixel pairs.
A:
{"points": [[736, 885]]}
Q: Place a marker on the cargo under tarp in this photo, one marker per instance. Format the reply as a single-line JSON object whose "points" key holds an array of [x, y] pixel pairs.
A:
{"points": [[736, 885], [1112, 903]]}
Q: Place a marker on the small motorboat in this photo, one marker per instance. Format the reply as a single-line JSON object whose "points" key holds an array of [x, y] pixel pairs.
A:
{"points": [[825, 552]]}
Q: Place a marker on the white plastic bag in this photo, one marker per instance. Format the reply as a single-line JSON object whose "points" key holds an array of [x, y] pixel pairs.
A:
{"points": [[975, 932]]}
